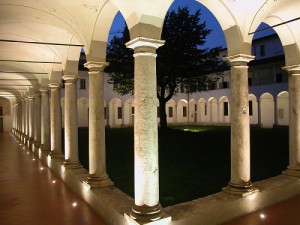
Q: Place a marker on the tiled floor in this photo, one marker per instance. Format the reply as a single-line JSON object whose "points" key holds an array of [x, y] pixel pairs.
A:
{"points": [[283, 213], [31, 195]]}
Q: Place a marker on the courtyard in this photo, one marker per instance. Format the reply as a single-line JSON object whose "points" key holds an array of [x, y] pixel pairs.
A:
{"points": [[194, 161]]}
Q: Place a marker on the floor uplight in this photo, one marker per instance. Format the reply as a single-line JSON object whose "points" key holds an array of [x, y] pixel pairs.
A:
{"points": [[262, 216], [74, 204]]}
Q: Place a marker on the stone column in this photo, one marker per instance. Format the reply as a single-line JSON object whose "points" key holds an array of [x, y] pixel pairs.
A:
{"points": [[45, 120], [26, 121], [71, 127], [240, 128], [31, 119], [294, 120], [146, 176], [97, 159], [37, 120], [23, 119], [55, 120]]}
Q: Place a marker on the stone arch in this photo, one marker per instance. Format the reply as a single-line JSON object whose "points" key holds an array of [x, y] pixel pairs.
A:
{"points": [[202, 110], [83, 112], [253, 109], [282, 108], [182, 111], [267, 110], [171, 111], [192, 111], [212, 110], [115, 113], [129, 112], [224, 110]]}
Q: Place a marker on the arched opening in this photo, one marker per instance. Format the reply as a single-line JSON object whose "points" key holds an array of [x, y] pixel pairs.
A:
{"points": [[115, 113], [192, 111], [182, 111], [253, 109], [224, 110], [171, 112], [267, 118], [212, 107], [129, 112], [282, 108], [202, 110]]}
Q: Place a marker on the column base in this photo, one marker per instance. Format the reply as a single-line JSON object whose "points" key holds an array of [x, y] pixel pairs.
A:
{"points": [[242, 190], [292, 171], [44, 148], [98, 182], [71, 165], [146, 214], [56, 155]]}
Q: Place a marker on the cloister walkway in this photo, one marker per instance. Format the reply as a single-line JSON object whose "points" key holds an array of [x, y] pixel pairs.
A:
{"points": [[31, 195]]}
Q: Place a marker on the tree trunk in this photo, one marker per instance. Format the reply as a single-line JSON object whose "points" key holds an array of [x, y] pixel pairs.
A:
{"points": [[163, 114]]}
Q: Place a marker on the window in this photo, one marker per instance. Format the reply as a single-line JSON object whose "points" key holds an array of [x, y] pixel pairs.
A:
{"points": [[105, 113], [262, 50], [82, 83], [225, 108], [184, 111], [170, 112], [119, 112], [225, 84], [250, 108], [132, 110], [158, 114], [279, 78], [205, 109]]}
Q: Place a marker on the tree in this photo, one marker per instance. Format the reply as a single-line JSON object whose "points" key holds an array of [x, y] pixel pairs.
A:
{"points": [[181, 63]]}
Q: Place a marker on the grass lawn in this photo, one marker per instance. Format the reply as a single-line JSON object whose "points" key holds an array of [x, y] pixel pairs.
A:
{"points": [[194, 161]]}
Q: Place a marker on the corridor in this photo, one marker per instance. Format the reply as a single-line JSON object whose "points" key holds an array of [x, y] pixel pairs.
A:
{"points": [[31, 195]]}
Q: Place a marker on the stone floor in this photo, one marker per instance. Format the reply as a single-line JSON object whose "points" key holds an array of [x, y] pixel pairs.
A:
{"points": [[283, 213], [31, 195]]}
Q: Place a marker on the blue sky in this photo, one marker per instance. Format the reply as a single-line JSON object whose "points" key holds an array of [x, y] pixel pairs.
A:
{"points": [[214, 39]]}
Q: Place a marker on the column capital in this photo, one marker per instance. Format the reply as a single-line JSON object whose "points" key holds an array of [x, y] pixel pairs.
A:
{"points": [[30, 97], [292, 70], [54, 86], [94, 66], [239, 59], [70, 78], [145, 45], [43, 90]]}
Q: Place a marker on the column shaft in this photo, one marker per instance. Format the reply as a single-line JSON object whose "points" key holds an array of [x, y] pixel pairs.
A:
{"points": [[45, 120], [71, 127], [240, 129], [37, 120], [97, 152], [31, 117], [55, 120], [294, 121], [146, 175]]}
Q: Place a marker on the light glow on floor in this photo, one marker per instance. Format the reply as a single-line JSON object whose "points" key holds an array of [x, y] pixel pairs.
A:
{"points": [[262, 216], [74, 204]]}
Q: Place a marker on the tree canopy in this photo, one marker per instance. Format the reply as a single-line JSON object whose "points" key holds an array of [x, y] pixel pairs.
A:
{"points": [[182, 63]]}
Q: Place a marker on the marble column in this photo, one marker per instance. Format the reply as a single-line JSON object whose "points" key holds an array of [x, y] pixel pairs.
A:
{"points": [[146, 174], [71, 127], [97, 152], [26, 121], [45, 120], [294, 120], [240, 182], [37, 120], [23, 120], [55, 120], [31, 119]]}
